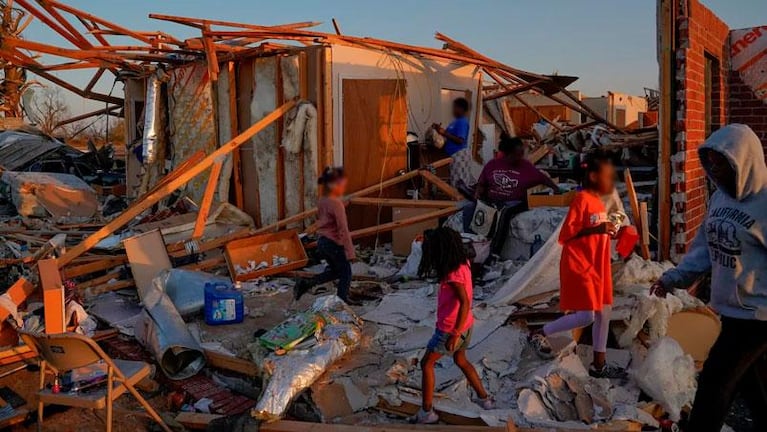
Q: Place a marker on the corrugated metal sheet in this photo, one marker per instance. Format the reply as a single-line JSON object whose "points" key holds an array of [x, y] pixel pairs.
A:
{"points": [[192, 124], [18, 149]]}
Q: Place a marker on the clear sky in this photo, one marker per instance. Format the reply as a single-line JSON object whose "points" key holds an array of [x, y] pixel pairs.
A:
{"points": [[609, 44]]}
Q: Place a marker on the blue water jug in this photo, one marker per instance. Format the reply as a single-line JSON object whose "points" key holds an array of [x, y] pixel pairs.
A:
{"points": [[223, 304]]}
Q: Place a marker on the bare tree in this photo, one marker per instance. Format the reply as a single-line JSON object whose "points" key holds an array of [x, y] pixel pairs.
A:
{"points": [[13, 83], [48, 109]]}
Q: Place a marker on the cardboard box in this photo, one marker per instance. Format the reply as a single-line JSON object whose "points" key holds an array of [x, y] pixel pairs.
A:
{"points": [[262, 248], [561, 200]]}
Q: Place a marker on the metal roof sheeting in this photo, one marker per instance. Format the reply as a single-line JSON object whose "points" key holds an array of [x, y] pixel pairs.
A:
{"points": [[18, 149]]}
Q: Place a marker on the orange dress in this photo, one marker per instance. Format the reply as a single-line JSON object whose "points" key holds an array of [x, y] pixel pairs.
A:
{"points": [[585, 273]]}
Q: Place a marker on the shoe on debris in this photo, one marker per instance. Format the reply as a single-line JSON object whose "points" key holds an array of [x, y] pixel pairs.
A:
{"points": [[301, 288], [608, 371], [540, 344], [487, 403], [425, 417]]}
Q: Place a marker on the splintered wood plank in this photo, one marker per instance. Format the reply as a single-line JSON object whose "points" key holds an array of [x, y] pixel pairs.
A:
{"points": [[635, 212], [196, 421], [232, 364], [53, 296], [181, 179], [442, 185], [207, 201]]}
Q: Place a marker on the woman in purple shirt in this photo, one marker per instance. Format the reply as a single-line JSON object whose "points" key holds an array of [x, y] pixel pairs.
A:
{"points": [[503, 184]]}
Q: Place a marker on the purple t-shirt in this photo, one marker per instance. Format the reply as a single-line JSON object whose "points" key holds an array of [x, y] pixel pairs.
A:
{"points": [[505, 182]]}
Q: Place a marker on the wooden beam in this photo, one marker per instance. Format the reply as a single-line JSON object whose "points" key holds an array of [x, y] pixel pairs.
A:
{"points": [[122, 30], [441, 185], [369, 231], [538, 112], [276, 226], [18, 292], [644, 221], [72, 38], [398, 202], [151, 199], [510, 90], [210, 54], [280, 166], [108, 111], [293, 426], [196, 421], [239, 198], [53, 296], [105, 263], [666, 54], [336, 27], [207, 201], [231, 364], [635, 212]]}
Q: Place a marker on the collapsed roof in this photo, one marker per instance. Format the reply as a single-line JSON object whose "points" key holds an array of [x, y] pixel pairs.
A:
{"points": [[95, 48]]}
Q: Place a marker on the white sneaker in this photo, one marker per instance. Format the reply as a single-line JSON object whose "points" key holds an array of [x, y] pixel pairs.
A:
{"points": [[487, 403], [425, 417]]}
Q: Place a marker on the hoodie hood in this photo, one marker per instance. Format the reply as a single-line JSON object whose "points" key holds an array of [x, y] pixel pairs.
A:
{"points": [[741, 146]]}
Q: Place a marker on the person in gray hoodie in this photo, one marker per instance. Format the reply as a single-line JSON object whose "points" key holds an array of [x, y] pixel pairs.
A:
{"points": [[732, 245]]}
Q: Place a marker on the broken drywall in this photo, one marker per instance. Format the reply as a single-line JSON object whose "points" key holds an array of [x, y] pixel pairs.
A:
{"points": [[192, 124], [292, 180], [265, 143], [225, 132]]}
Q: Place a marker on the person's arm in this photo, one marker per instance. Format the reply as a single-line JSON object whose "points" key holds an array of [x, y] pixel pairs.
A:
{"points": [[603, 228], [695, 264], [546, 180], [339, 212], [480, 190], [463, 314], [461, 134]]}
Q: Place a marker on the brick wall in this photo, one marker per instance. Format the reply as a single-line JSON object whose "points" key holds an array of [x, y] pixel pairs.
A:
{"points": [[746, 108], [701, 36], [748, 79]]}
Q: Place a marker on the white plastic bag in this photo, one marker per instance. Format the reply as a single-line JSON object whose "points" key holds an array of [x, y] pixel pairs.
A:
{"points": [[668, 376], [410, 269]]}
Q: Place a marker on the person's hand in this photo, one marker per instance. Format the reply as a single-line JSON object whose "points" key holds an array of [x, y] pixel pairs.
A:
{"points": [[657, 289], [452, 342], [438, 128], [608, 228]]}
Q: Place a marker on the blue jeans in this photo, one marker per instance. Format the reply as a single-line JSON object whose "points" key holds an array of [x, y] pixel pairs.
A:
{"points": [[439, 339], [338, 266]]}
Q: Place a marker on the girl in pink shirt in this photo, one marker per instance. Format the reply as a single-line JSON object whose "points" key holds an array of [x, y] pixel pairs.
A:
{"points": [[444, 256]]}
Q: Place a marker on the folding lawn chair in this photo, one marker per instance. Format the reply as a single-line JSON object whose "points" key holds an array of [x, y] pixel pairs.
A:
{"points": [[64, 352]]}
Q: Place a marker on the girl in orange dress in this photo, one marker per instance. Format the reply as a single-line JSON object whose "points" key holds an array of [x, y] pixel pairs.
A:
{"points": [[585, 272]]}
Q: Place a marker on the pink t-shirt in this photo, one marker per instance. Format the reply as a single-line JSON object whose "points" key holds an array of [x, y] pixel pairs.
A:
{"points": [[448, 303]]}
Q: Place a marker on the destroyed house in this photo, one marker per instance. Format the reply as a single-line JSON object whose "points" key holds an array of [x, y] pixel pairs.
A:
{"points": [[362, 103], [361, 100]]}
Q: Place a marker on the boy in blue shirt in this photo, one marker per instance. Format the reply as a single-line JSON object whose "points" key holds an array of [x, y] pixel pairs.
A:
{"points": [[457, 132]]}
